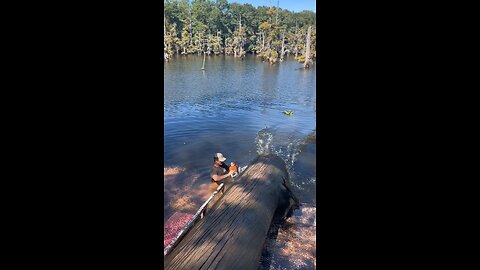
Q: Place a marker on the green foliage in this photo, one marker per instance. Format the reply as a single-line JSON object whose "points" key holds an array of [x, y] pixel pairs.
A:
{"points": [[219, 27]]}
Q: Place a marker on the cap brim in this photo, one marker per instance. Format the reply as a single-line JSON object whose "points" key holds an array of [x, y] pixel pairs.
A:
{"points": [[222, 160]]}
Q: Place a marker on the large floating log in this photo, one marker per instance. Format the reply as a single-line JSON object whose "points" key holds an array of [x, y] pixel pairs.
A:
{"points": [[233, 232]]}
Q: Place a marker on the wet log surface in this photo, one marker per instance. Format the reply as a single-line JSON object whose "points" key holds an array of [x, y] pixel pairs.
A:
{"points": [[233, 233]]}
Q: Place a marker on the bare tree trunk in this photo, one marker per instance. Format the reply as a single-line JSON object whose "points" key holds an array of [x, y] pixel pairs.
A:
{"points": [[282, 52], [164, 38], [191, 30], [296, 40], [209, 42], [263, 41], [276, 12], [200, 45], [164, 31], [307, 49], [203, 65], [165, 54], [241, 37]]}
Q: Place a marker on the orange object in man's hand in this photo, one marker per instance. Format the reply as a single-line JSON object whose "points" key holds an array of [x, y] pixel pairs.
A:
{"points": [[233, 168]]}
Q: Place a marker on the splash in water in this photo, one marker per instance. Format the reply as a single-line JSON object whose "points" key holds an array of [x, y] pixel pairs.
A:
{"points": [[294, 148], [263, 141], [285, 146]]}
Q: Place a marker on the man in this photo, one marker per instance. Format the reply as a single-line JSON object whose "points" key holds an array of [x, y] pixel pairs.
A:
{"points": [[219, 170]]}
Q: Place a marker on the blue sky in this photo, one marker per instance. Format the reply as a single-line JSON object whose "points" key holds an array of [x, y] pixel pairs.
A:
{"points": [[292, 5]]}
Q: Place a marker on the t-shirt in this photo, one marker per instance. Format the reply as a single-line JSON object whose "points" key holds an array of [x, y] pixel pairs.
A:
{"points": [[223, 169]]}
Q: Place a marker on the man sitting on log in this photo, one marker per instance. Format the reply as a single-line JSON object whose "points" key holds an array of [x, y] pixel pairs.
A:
{"points": [[219, 170]]}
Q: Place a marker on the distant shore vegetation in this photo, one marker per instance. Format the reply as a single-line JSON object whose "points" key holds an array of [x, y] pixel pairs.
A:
{"points": [[218, 27]]}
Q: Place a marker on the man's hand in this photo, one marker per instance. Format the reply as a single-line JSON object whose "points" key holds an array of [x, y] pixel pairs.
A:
{"points": [[218, 177]]}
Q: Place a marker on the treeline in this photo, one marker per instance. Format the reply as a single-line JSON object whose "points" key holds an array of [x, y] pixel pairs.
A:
{"points": [[219, 27]]}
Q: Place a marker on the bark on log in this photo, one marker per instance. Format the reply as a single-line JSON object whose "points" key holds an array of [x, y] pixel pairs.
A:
{"points": [[233, 232]]}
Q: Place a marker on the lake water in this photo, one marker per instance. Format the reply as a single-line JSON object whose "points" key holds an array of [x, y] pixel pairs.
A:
{"points": [[236, 107]]}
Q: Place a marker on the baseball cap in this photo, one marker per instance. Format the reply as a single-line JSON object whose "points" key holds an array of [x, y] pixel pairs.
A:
{"points": [[220, 157]]}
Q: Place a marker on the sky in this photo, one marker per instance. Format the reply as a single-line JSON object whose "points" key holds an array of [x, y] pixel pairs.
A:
{"points": [[292, 5]]}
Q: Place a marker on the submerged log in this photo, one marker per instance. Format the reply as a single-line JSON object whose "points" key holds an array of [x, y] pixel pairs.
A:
{"points": [[233, 232]]}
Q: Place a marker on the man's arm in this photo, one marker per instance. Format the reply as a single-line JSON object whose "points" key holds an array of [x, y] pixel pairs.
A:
{"points": [[216, 177]]}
